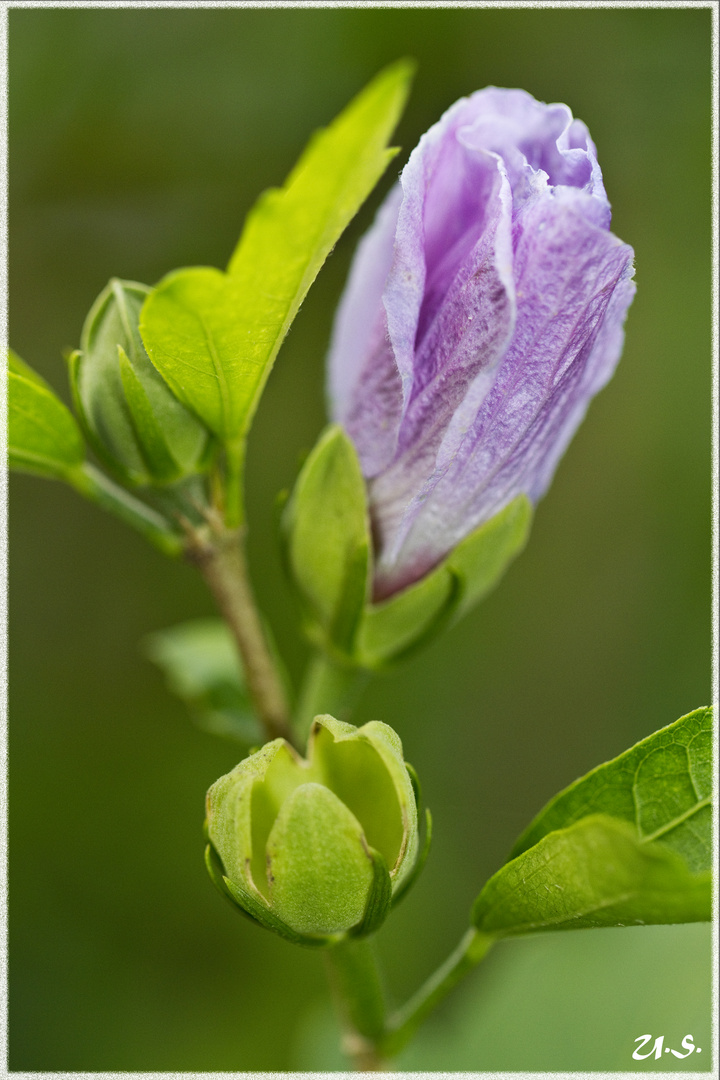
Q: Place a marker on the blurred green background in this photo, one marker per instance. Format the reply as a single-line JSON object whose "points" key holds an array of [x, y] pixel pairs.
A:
{"points": [[138, 141]]}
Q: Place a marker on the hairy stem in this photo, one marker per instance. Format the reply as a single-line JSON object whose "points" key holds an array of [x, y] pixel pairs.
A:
{"points": [[357, 989], [403, 1025], [219, 554]]}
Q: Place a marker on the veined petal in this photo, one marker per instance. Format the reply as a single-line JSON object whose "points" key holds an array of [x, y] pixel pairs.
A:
{"points": [[574, 288], [364, 383], [500, 317]]}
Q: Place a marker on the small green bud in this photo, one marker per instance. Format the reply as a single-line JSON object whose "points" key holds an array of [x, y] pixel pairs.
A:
{"points": [[134, 421], [316, 848]]}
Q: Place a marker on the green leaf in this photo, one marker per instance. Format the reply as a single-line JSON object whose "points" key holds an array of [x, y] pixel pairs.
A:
{"points": [[662, 786], [327, 534], [215, 336], [200, 663], [43, 436], [395, 629], [594, 873]]}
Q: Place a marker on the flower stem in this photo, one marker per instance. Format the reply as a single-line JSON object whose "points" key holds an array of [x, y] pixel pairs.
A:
{"points": [[327, 687], [219, 554], [357, 989], [402, 1026]]}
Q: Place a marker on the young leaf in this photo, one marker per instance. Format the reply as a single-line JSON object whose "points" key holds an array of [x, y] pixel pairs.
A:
{"points": [[214, 336], [200, 663], [327, 533], [43, 436], [662, 786], [594, 873]]}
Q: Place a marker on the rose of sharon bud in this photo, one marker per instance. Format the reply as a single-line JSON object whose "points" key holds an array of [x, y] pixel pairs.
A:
{"points": [[484, 310], [316, 848], [132, 418]]}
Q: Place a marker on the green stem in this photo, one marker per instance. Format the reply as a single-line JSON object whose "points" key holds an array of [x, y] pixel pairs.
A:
{"points": [[328, 687], [234, 497], [357, 989], [403, 1025], [219, 554], [96, 487]]}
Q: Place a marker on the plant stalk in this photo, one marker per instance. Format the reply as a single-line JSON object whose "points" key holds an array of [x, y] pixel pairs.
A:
{"points": [[402, 1026], [219, 554], [355, 981]]}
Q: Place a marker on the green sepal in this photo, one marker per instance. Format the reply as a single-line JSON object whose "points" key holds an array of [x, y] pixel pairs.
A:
{"points": [[242, 901], [379, 898], [419, 863], [326, 535], [395, 629], [596, 873], [215, 870], [415, 781], [136, 425], [662, 786], [43, 436], [214, 336], [153, 446], [480, 560], [267, 919]]}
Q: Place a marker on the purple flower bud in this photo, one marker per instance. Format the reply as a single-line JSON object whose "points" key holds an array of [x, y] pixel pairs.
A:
{"points": [[484, 309]]}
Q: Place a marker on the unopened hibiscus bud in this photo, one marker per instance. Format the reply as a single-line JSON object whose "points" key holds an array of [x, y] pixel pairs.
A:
{"points": [[315, 849], [133, 420], [484, 310]]}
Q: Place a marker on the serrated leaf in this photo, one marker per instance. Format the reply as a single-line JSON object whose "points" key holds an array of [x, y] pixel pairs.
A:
{"points": [[43, 436], [327, 535], [214, 336], [594, 873], [662, 786], [199, 660]]}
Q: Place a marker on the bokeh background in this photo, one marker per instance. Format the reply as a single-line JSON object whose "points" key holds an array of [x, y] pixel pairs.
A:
{"points": [[138, 141]]}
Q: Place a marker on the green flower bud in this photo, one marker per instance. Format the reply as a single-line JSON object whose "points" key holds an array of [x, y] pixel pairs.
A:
{"points": [[317, 848], [132, 419]]}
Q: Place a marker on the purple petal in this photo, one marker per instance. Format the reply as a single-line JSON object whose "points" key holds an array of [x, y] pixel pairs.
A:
{"points": [[484, 310], [575, 288]]}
